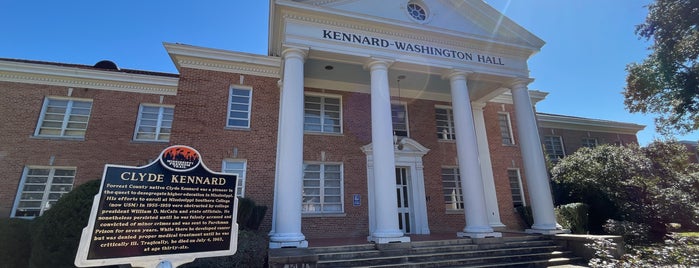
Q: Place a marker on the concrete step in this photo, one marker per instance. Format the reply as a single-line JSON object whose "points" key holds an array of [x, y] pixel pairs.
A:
{"points": [[525, 251]]}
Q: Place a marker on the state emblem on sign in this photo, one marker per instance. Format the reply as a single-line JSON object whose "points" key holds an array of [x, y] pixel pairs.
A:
{"points": [[180, 158]]}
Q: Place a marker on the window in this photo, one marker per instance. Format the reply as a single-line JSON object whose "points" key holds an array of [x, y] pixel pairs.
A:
{"points": [[322, 188], [64, 117], [416, 11], [236, 167], [399, 115], [154, 123], [589, 142], [239, 104], [322, 114], [40, 188], [505, 129], [554, 147], [451, 184], [445, 123], [516, 187]]}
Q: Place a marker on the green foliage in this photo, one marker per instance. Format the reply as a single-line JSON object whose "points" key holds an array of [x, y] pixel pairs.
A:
{"points": [[633, 233], [252, 252], [57, 232], [250, 215], [676, 251], [15, 246], [527, 216], [655, 185], [573, 217], [667, 81]]}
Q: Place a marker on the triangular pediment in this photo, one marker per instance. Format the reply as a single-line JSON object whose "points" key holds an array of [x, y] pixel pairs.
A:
{"points": [[468, 18]]}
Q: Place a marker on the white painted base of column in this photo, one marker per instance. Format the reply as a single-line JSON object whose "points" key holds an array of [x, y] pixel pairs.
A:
{"points": [[479, 235], [386, 240], [290, 244], [547, 231]]}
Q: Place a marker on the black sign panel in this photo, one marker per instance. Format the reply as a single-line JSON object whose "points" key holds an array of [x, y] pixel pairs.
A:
{"points": [[173, 206]]}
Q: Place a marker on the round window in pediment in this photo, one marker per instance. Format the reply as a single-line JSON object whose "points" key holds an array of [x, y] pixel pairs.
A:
{"points": [[417, 11]]}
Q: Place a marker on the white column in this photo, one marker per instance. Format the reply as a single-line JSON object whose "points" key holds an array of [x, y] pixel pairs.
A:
{"points": [[287, 229], [386, 211], [534, 164], [477, 225], [491, 197]]}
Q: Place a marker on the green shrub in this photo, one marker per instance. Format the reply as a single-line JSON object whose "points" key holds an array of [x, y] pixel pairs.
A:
{"points": [[57, 232], [633, 233], [16, 245], [252, 252], [573, 216], [676, 251], [526, 213], [250, 215]]}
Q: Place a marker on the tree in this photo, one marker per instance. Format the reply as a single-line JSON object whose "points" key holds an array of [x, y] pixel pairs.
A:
{"points": [[667, 81], [655, 185]]}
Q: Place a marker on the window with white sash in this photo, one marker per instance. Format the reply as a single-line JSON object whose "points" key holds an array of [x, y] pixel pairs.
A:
{"points": [[40, 188], [64, 117], [322, 188]]}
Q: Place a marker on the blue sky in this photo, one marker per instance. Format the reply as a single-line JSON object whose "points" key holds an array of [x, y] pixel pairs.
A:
{"points": [[588, 43]]}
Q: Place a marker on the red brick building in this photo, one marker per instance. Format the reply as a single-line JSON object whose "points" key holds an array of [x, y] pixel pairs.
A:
{"points": [[329, 130]]}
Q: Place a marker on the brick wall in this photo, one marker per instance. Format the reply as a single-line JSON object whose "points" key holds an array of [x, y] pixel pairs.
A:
{"points": [[200, 122]]}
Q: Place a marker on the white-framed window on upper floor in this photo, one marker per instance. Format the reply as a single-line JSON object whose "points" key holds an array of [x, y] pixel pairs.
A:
{"points": [[63, 117], [399, 116], [505, 129], [554, 148], [451, 187], [239, 107], [444, 117], [236, 166], [322, 113], [589, 142], [516, 188], [154, 122], [322, 188], [40, 188]]}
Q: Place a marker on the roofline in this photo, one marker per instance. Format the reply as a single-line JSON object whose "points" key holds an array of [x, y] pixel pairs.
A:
{"points": [[84, 76], [586, 124], [196, 57]]}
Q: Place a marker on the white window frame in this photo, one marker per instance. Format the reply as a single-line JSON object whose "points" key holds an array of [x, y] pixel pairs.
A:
{"points": [[554, 157], [66, 117], [322, 189], [406, 122], [230, 110], [240, 185], [159, 123], [451, 135], [458, 193], [45, 201], [509, 129], [322, 113], [519, 185], [585, 142]]}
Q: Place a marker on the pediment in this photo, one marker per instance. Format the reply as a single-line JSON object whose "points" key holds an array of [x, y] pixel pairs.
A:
{"points": [[467, 18]]}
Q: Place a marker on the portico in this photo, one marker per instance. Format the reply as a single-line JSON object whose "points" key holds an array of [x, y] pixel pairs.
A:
{"points": [[324, 48]]}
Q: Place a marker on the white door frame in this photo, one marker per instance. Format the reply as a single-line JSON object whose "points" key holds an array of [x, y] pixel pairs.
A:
{"points": [[409, 156]]}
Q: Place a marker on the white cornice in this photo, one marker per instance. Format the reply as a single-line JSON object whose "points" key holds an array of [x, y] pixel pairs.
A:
{"points": [[223, 60], [56, 75], [535, 96], [586, 124]]}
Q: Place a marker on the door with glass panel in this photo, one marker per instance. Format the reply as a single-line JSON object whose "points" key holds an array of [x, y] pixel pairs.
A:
{"points": [[403, 199]]}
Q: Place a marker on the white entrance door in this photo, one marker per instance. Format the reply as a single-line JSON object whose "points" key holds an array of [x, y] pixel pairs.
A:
{"points": [[403, 195]]}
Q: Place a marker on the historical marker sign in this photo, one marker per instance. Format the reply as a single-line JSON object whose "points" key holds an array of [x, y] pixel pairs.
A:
{"points": [[173, 209]]}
